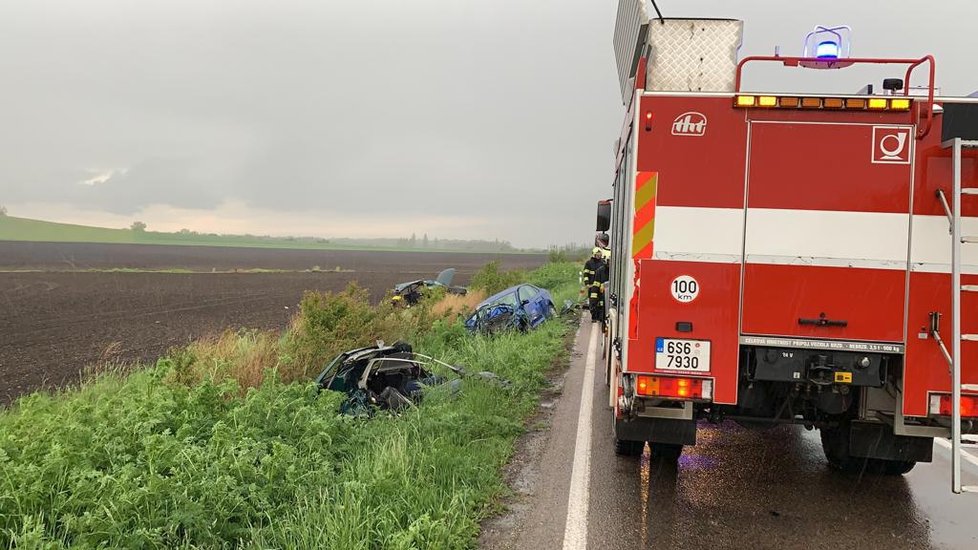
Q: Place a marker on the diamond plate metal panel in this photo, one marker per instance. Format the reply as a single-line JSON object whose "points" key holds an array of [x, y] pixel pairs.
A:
{"points": [[693, 55], [630, 28]]}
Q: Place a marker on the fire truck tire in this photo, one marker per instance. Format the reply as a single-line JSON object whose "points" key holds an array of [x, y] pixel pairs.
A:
{"points": [[835, 444], [897, 467], [628, 448], [665, 452]]}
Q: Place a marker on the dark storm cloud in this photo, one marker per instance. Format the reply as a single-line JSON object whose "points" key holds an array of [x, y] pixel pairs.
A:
{"points": [[436, 107]]}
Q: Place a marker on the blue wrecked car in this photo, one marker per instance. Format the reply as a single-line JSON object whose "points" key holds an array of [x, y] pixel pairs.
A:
{"points": [[520, 307]]}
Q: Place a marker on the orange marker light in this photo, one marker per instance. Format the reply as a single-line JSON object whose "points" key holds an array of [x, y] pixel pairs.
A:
{"points": [[854, 103], [789, 101], [832, 103], [642, 385], [811, 102]]}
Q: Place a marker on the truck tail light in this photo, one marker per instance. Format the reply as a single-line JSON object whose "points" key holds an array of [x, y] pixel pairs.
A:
{"points": [[941, 405], [674, 387]]}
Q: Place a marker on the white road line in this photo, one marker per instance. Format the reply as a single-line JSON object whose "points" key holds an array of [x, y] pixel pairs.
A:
{"points": [[575, 530], [965, 455]]}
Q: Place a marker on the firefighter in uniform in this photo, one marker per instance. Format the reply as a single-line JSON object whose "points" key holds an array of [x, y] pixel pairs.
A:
{"points": [[595, 276]]}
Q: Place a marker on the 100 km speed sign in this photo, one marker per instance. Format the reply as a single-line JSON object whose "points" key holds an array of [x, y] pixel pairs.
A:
{"points": [[684, 289]]}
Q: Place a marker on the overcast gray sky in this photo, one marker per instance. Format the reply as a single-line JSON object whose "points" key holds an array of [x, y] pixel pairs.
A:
{"points": [[456, 118]]}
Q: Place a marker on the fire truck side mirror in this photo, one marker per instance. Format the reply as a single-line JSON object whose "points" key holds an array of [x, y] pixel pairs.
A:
{"points": [[604, 216]]}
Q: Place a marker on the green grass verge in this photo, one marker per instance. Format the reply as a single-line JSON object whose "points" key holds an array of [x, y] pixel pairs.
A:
{"points": [[142, 461]]}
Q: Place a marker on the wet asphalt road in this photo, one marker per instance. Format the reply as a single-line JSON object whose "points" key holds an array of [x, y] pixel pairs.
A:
{"points": [[736, 488]]}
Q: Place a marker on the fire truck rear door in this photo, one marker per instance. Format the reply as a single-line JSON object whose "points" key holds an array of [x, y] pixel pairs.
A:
{"points": [[827, 228]]}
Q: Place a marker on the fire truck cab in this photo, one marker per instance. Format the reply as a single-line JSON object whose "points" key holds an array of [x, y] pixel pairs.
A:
{"points": [[798, 258]]}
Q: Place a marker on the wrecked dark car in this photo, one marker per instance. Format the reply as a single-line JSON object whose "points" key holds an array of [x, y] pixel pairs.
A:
{"points": [[411, 292], [388, 377], [520, 307]]}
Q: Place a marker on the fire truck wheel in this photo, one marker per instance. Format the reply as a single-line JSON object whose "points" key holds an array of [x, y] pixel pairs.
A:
{"points": [[897, 467], [835, 444], [665, 452], [628, 448]]}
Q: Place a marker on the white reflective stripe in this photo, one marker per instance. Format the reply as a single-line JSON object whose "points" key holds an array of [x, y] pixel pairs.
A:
{"points": [[872, 236], [699, 231], [783, 236], [930, 246], [875, 240]]}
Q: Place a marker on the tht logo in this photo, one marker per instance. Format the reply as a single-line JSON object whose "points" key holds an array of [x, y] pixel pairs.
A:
{"points": [[891, 145], [689, 124]]}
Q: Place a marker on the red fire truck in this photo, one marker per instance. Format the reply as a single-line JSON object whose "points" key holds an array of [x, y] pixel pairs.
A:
{"points": [[795, 258]]}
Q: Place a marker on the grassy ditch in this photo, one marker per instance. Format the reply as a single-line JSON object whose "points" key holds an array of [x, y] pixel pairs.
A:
{"points": [[226, 443]]}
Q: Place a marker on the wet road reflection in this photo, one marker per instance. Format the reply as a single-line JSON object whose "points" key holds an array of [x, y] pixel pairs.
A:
{"points": [[740, 488]]}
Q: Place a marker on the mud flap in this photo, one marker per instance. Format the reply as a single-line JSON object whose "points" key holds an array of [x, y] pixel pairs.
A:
{"points": [[871, 440], [657, 430]]}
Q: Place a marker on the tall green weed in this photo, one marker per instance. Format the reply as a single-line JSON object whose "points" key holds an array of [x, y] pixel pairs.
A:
{"points": [[185, 455]]}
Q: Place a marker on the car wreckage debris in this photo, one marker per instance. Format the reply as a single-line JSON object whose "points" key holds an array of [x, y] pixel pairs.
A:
{"points": [[393, 378], [410, 293]]}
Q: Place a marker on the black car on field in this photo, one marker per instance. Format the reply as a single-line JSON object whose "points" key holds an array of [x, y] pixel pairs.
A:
{"points": [[411, 292]]}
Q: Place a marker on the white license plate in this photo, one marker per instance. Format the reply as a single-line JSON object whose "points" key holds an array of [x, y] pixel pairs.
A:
{"points": [[682, 355]]}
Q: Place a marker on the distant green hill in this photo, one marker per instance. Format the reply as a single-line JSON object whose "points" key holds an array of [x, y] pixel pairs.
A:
{"points": [[24, 229]]}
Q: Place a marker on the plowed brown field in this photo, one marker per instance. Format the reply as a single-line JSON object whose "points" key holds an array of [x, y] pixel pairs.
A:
{"points": [[54, 323]]}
